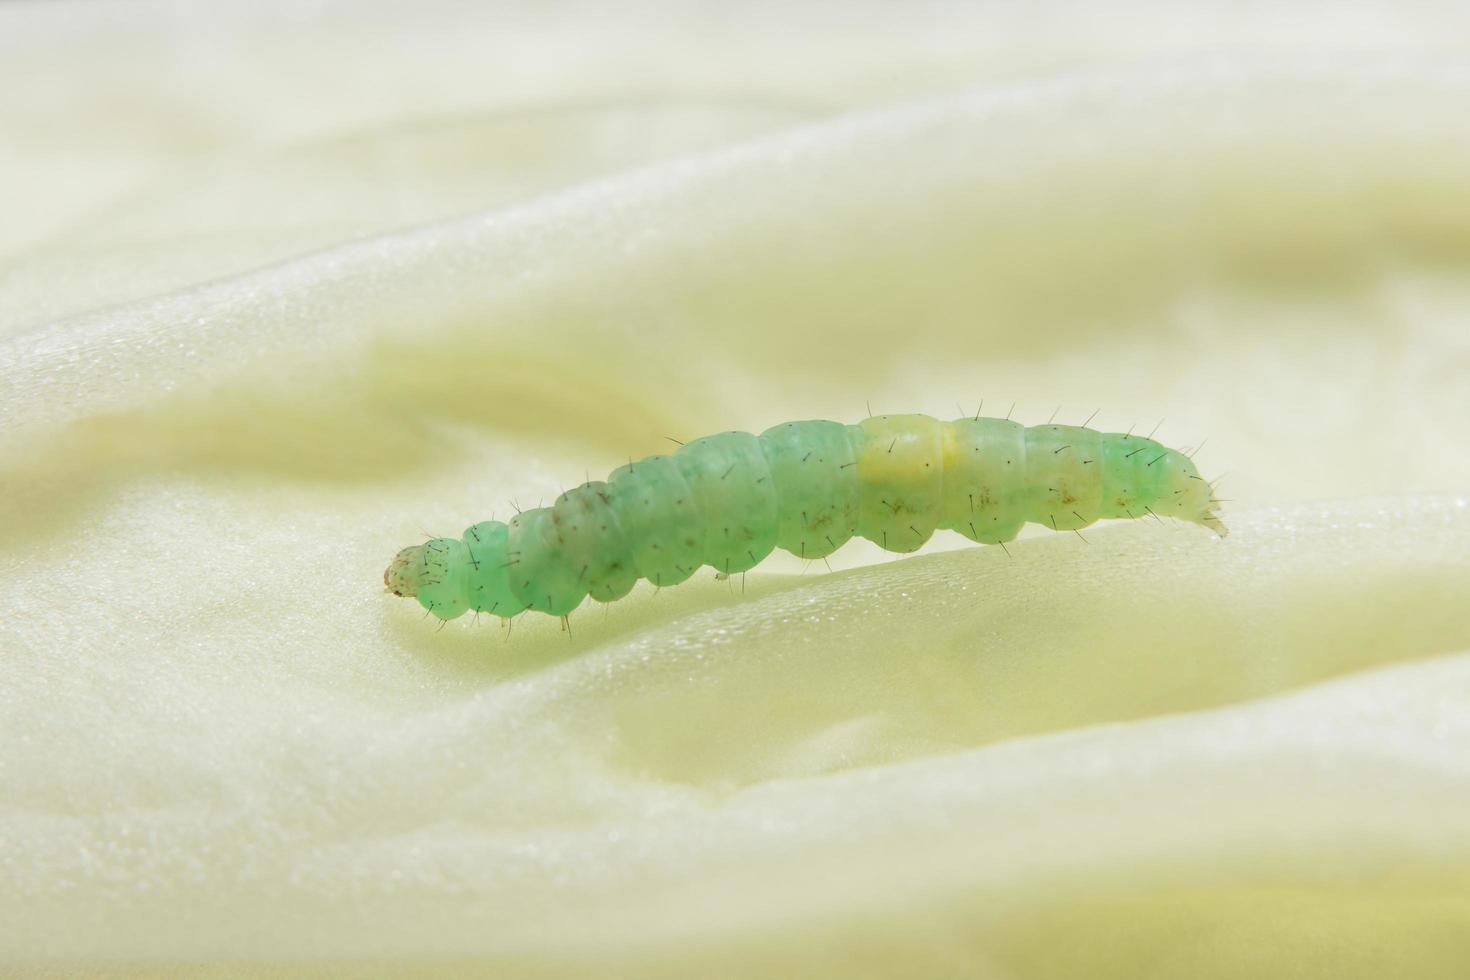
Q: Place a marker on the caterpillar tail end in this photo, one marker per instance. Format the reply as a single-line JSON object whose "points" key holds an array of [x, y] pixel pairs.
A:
{"points": [[1212, 521], [401, 576]]}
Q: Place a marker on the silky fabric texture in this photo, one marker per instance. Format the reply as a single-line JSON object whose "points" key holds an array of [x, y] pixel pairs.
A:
{"points": [[283, 291]]}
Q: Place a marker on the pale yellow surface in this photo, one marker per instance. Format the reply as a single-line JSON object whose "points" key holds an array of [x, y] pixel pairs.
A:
{"points": [[284, 288]]}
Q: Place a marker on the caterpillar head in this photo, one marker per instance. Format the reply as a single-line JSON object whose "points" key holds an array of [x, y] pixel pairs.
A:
{"points": [[434, 573], [401, 577], [1177, 490]]}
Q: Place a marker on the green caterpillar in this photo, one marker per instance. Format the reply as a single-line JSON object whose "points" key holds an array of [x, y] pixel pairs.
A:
{"points": [[728, 500]]}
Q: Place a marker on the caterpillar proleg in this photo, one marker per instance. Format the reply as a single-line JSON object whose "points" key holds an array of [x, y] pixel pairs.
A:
{"points": [[728, 500]]}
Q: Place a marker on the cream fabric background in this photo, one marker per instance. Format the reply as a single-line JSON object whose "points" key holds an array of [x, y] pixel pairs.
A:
{"points": [[282, 287]]}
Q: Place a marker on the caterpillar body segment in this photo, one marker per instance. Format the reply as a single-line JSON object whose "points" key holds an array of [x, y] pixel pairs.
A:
{"points": [[728, 500], [487, 580], [814, 467], [986, 487], [900, 480], [735, 494], [660, 520]]}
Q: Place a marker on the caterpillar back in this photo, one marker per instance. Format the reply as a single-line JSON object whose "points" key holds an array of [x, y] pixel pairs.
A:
{"points": [[728, 500]]}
